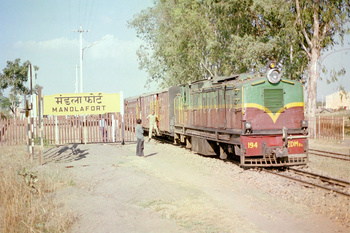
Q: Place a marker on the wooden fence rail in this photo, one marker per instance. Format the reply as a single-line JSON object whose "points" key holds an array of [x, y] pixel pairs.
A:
{"points": [[329, 127], [71, 129], [13, 131]]}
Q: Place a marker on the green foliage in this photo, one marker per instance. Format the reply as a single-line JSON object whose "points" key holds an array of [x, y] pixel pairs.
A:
{"points": [[187, 40], [190, 40], [14, 76], [9, 103], [46, 142]]}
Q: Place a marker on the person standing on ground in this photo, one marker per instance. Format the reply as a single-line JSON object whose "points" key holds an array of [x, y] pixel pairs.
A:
{"points": [[152, 124], [139, 136]]}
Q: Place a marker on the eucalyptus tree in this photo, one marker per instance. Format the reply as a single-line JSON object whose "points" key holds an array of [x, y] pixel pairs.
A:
{"points": [[318, 23]]}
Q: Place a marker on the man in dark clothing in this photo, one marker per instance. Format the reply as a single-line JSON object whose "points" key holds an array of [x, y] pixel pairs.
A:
{"points": [[140, 140]]}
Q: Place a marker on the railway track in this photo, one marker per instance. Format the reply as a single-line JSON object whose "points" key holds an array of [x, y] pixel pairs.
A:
{"points": [[311, 179], [316, 180], [330, 154]]}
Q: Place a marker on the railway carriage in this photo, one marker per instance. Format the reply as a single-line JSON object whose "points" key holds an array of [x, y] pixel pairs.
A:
{"points": [[161, 102], [258, 118]]}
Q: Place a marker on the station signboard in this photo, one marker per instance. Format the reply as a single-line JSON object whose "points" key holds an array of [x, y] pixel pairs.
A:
{"points": [[81, 104]]}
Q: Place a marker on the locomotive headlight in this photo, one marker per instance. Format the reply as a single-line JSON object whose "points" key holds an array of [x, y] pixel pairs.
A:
{"points": [[273, 76], [304, 124], [248, 125]]}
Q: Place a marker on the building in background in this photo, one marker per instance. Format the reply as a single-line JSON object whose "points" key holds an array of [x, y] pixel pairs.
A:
{"points": [[338, 100]]}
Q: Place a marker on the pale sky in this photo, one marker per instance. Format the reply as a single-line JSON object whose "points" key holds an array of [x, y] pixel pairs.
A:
{"points": [[42, 31]]}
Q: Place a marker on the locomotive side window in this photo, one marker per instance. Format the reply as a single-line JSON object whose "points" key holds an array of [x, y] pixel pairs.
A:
{"points": [[273, 99]]}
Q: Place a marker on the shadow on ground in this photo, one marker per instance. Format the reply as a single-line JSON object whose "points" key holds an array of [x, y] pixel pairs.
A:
{"points": [[64, 154], [149, 155]]}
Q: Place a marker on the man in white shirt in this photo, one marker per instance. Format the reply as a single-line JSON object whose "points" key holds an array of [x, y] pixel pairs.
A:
{"points": [[152, 124]]}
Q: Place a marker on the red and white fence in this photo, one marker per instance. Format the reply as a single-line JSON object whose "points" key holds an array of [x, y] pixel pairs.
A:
{"points": [[328, 127], [69, 129]]}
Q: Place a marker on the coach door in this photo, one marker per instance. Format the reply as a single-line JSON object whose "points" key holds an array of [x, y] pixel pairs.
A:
{"points": [[163, 116], [214, 114], [230, 112], [204, 110], [221, 109]]}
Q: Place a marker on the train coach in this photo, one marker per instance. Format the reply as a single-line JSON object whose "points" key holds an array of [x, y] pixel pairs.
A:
{"points": [[259, 119]]}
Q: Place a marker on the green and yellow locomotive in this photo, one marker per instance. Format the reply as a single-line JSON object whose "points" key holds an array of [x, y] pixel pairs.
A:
{"points": [[258, 118]]}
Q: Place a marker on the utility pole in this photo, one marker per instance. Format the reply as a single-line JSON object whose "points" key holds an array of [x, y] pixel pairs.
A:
{"points": [[80, 30], [76, 89]]}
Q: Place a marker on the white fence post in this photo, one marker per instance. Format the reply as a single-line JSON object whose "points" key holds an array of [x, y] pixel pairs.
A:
{"points": [[56, 131], [113, 129]]}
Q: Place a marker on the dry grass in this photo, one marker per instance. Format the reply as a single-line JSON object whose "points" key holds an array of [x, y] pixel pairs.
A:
{"points": [[25, 203]]}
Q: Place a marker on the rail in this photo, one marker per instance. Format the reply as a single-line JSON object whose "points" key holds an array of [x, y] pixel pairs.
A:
{"points": [[327, 183], [330, 154]]}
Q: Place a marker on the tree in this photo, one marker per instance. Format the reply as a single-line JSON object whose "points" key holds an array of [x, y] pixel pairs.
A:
{"points": [[14, 76], [318, 22], [9, 103], [188, 40]]}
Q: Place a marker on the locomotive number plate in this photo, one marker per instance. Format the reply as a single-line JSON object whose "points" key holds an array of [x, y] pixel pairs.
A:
{"points": [[252, 145]]}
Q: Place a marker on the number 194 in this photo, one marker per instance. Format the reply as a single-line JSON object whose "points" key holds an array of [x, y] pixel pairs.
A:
{"points": [[252, 145]]}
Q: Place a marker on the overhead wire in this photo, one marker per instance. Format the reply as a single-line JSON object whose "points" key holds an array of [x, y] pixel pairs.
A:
{"points": [[80, 14], [75, 22], [91, 7]]}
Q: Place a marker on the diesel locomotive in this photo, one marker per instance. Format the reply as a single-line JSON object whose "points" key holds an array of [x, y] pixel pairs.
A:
{"points": [[258, 118]]}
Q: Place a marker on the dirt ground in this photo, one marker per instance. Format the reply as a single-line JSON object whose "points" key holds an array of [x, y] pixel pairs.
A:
{"points": [[172, 189]]}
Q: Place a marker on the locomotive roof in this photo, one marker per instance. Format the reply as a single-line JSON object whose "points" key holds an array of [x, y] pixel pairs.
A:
{"points": [[205, 83], [243, 76], [148, 93]]}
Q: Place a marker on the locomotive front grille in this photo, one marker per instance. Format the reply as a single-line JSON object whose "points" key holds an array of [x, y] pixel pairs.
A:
{"points": [[273, 99]]}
